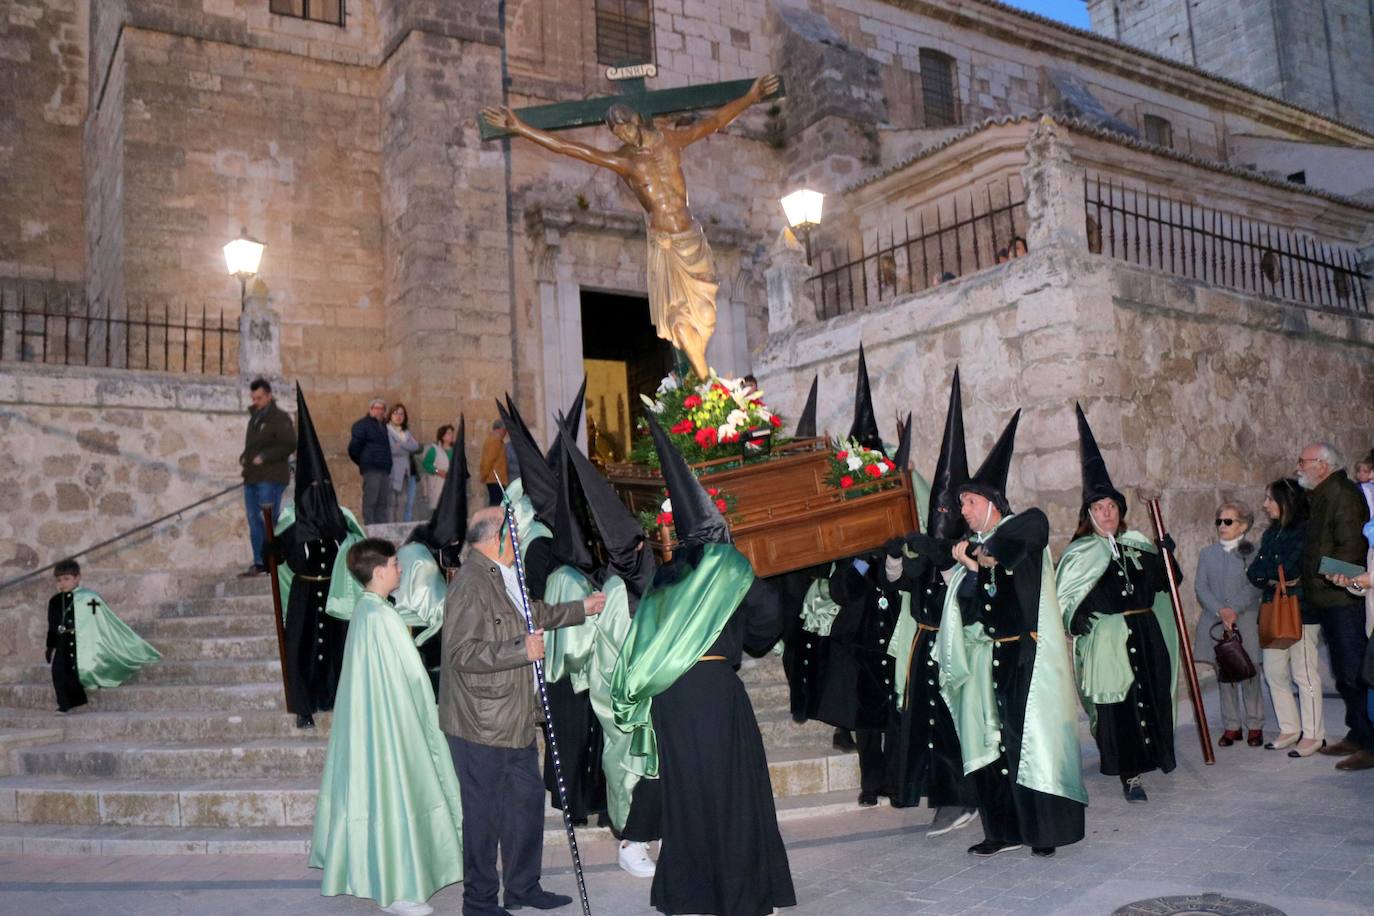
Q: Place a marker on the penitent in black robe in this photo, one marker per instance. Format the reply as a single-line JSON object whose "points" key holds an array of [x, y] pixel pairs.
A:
{"points": [[314, 640], [722, 852], [66, 682]]}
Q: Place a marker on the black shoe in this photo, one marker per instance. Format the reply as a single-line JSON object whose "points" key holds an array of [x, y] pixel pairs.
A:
{"points": [[868, 799], [305, 721], [1133, 789], [603, 819], [252, 571], [1043, 852], [990, 848], [843, 741], [539, 900]]}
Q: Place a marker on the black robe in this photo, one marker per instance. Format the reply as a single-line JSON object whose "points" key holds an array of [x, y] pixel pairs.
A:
{"points": [[722, 852], [802, 651], [1136, 735], [314, 640], [924, 759], [1005, 599], [61, 645]]}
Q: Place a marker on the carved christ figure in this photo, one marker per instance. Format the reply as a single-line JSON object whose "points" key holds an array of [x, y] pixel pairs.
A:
{"points": [[682, 277]]}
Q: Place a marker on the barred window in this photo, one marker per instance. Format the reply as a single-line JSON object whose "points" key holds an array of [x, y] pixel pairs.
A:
{"points": [[1158, 131], [624, 32], [328, 11], [938, 88]]}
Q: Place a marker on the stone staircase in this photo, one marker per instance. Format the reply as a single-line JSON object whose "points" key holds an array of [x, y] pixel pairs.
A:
{"points": [[196, 754]]}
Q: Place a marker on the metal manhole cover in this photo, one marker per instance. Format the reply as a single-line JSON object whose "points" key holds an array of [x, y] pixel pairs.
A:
{"points": [[1197, 905]]}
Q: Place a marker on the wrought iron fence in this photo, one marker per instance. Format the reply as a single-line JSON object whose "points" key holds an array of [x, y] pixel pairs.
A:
{"points": [[38, 328], [963, 234], [1144, 226]]}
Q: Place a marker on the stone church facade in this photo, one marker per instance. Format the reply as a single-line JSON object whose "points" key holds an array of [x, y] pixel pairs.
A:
{"points": [[408, 258]]}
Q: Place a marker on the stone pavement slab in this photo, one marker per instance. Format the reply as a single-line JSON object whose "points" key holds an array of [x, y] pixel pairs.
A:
{"points": [[1294, 834]]}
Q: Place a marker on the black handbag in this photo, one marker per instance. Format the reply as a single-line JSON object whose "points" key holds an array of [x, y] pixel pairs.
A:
{"points": [[1233, 662]]}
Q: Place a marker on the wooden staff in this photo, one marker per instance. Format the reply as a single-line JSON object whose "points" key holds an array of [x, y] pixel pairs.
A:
{"points": [[1185, 642], [270, 555]]}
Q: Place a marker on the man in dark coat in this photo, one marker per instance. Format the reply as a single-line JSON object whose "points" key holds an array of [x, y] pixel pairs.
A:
{"points": [[370, 449], [268, 443]]}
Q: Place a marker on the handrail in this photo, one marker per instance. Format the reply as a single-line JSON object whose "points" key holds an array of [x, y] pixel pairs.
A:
{"points": [[119, 537]]}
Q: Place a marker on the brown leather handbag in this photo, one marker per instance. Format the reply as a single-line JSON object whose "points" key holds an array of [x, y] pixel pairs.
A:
{"points": [[1280, 620], [1233, 662]]}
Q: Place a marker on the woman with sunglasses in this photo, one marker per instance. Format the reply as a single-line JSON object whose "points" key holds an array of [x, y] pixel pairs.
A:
{"points": [[1281, 548], [1227, 596]]}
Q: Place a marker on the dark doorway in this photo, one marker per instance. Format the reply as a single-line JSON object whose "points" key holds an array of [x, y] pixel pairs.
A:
{"points": [[624, 358]]}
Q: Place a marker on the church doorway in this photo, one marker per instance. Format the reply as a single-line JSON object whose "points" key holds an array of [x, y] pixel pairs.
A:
{"points": [[623, 358]]}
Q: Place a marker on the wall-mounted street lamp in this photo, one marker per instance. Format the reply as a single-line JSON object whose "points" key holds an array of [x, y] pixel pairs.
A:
{"points": [[242, 256], [803, 209]]}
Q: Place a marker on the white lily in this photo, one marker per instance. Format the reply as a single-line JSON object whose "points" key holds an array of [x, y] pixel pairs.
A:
{"points": [[854, 462]]}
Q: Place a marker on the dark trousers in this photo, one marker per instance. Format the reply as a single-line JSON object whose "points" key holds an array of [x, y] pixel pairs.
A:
{"points": [[376, 497], [255, 496], [1343, 628], [493, 494], [872, 761], [503, 806]]}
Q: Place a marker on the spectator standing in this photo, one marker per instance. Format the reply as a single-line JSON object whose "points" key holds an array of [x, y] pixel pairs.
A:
{"points": [[1338, 515], [435, 464], [1226, 595], [494, 470], [1300, 723], [369, 447], [267, 446], [1364, 476], [402, 445]]}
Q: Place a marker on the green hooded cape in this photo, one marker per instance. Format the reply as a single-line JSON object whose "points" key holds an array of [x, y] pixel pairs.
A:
{"points": [[107, 651]]}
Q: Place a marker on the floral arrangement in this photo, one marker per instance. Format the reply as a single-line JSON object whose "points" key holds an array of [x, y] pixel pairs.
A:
{"points": [[855, 469], [651, 520], [706, 419]]}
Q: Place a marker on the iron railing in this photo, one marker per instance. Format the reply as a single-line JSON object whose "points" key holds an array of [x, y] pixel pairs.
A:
{"points": [[39, 328], [977, 232], [1144, 226]]}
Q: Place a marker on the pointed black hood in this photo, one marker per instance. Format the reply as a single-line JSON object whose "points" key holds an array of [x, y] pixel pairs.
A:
{"points": [[539, 482], [695, 516], [990, 481], [619, 531], [902, 457], [1097, 483], [806, 424], [951, 472], [864, 429], [569, 536], [318, 516], [573, 420]]}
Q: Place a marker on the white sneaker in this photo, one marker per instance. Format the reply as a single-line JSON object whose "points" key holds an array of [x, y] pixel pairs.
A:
{"points": [[634, 859], [408, 908]]}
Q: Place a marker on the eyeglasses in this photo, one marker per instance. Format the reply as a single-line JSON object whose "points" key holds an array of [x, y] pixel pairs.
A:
{"points": [[1227, 522]]}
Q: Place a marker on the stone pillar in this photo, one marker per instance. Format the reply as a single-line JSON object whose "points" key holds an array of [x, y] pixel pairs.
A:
{"points": [[259, 335], [788, 301], [1055, 206]]}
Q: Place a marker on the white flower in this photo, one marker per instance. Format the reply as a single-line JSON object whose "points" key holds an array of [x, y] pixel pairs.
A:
{"points": [[854, 462], [882, 468], [726, 431], [737, 418], [667, 506], [669, 383], [655, 406]]}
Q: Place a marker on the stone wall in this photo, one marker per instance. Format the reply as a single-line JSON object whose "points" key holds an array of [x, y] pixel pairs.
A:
{"points": [[43, 70]]}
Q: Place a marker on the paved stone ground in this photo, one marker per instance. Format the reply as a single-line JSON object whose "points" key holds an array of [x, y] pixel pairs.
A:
{"points": [[1295, 834]]}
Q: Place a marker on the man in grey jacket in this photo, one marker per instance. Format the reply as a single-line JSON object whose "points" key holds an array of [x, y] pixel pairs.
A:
{"points": [[1334, 529], [489, 709]]}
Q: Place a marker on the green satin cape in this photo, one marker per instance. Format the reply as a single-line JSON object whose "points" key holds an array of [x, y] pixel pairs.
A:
{"points": [[388, 824], [568, 650], [623, 770], [673, 627], [1100, 659], [1050, 756], [899, 648], [107, 651], [343, 588], [818, 609], [527, 526]]}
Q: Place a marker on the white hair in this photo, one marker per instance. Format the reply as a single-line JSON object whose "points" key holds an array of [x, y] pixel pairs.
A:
{"points": [[1327, 452]]}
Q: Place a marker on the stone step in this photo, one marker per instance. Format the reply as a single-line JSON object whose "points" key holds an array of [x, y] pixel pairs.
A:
{"points": [[197, 607], [779, 730], [209, 671], [209, 625], [284, 802], [233, 587], [134, 696], [12, 741], [289, 757], [258, 647], [183, 727]]}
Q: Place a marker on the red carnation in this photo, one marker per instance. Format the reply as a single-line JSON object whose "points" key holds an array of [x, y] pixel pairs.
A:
{"points": [[775, 420], [842, 456], [872, 470], [720, 504], [846, 482], [665, 518], [692, 400], [685, 425], [706, 437], [890, 465], [712, 491], [730, 437]]}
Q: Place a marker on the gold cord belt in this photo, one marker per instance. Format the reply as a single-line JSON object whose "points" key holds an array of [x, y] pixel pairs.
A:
{"points": [[312, 578], [927, 627], [1139, 610], [712, 658], [1034, 635]]}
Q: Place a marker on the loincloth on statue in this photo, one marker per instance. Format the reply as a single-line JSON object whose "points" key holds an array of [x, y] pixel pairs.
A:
{"points": [[682, 281]]}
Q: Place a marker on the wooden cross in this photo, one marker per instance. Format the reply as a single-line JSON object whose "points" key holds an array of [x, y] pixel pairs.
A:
{"points": [[649, 103]]}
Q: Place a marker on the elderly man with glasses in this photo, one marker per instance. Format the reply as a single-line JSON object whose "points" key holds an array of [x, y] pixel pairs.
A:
{"points": [[1338, 513], [369, 447]]}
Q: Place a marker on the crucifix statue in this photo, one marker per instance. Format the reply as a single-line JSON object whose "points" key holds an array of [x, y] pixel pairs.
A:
{"points": [[681, 275]]}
